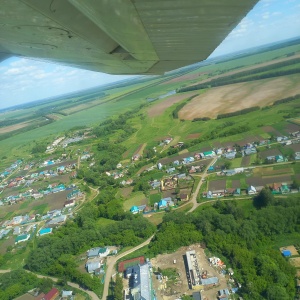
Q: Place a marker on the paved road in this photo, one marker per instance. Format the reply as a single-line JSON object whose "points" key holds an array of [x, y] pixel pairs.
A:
{"points": [[111, 261]]}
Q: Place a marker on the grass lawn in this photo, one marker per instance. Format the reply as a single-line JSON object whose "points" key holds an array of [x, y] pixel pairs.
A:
{"points": [[40, 209], [154, 198], [253, 158], [236, 163], [137, 199], [285, 240], [104, 221], [155, 218]]}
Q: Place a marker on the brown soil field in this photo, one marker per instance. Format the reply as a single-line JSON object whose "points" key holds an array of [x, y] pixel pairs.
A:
{"points": [[295, 147], [234, 97], [258, 181], [292, 128], [270, 171], [270, 129], [217, 185], [14, 127], [295, 261], [54, 117], [291, 248], [271, 152], [158, 108], [236, 184], [245, 161], [193, 136], [248, 68]]}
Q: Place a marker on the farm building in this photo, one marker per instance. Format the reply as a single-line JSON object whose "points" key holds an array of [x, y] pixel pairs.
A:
{"points": [[286, 253], [45, 231], [98, 252]]}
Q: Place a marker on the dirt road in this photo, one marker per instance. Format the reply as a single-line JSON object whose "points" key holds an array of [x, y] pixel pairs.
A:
{"points": [[195, 194]]}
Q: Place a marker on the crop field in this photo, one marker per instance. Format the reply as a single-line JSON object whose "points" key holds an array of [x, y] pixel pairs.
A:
{"points": [[239, 96], [270, 152]]}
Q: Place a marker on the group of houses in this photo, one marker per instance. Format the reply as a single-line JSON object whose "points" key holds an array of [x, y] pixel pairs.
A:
{"points": [[10, 169], [276, 188]]}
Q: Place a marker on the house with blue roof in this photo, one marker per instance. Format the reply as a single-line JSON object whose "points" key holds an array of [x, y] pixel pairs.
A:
{"points": [[162, 204], [134, 210]]}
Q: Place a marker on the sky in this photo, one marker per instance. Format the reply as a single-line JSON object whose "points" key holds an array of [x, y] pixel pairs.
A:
{"points": [[23, 80]]}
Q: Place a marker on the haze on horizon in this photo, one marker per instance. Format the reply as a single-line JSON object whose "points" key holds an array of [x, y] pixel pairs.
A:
{"points": [[23, 80]]}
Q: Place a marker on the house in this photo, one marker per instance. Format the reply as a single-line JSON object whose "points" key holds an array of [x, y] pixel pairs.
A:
{"points": [[69, 203], [170, 170], [184, 197], [297, 156], [44, 231], [98, 252], [211, 168], [162, 204], [176, 163], [134, 210], [165, 202], [92, 266], [279, 158], [251, 190], [159, 166], [286, 253], [275, 188], [210, 282], [284, 188], [66, 294], [208, 154], [223, 294], [230, 155], [229, 172], [51, 295]]}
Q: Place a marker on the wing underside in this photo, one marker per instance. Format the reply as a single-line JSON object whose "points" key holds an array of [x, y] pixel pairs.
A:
{"points": [[118, 36]]}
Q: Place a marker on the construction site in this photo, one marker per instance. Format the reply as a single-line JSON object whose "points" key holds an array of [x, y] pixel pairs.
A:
{"points": [[188, 270]]}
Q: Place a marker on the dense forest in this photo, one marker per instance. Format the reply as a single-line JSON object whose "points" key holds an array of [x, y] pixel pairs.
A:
{"points": [[243, 239]]}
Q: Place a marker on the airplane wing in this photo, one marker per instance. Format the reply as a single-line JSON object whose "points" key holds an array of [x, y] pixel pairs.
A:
{"points": [[118, 36]]}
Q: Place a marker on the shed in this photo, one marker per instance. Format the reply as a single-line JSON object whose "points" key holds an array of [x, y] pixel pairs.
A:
{"points": [[286, 253]]}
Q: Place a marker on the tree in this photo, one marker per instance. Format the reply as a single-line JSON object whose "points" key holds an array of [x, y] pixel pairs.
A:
{"points": [[227, 164], [295, 184], [118, 290], [263, 199]]}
